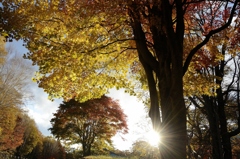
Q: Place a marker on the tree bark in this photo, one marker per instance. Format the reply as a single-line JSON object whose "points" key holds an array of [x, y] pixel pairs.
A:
{"points": [[164, 73], [213, 119], [226, 142], [164, 70]]}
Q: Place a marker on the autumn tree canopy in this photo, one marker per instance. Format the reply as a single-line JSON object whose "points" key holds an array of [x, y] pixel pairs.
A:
{"points": [[89, 123], [30, 138], [12, 129], [85, 47]]}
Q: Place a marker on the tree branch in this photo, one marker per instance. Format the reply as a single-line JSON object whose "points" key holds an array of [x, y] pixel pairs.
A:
{"points": [[207, 38]]}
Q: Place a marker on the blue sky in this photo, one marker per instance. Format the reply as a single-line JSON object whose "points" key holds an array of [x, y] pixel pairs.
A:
{"points": [[41, 110]]}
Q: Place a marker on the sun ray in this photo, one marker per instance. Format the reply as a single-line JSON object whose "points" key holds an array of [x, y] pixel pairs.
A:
{"points": [[153, 138]]}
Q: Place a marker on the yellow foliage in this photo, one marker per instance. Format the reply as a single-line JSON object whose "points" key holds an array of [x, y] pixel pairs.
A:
{"points": [[79, 53], [198, 84], [82, 51]]}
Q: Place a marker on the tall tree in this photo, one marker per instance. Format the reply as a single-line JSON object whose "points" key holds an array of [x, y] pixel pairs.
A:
{"points": [[221, 109], [93, 40], [89, 123], [220, 65]]}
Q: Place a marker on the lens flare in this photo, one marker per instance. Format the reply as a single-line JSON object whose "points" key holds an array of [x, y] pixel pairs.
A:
{"points": [[153, 138]]}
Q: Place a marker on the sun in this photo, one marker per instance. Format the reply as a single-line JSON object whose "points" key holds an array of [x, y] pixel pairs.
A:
{"points": [[153, 138]]}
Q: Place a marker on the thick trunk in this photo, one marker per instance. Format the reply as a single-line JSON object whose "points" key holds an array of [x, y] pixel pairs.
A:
{"points": [[163, 68], [173, 109], [173, 129], [169, 77], [86, 151]]}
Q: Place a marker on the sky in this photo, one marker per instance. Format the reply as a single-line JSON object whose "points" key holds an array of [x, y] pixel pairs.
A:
{"points": [[41, 110]]}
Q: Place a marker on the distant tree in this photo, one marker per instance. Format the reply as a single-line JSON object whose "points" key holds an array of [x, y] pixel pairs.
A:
{"points": [[73, 153], [30, 139], [12, 129], [15, 77], [37, 151], [52, 149], [14, 91], [143, 150], [47, 148], [89, 123]]}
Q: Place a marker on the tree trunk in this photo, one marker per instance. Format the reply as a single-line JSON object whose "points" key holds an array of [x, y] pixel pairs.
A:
{"points": [[226, 142], [213, 119], [164, 73], [170, 57], [173, 128], [86, 151]]}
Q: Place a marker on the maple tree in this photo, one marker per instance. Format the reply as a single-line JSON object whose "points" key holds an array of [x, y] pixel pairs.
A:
{"points": [[89, 123], [94, 42]]}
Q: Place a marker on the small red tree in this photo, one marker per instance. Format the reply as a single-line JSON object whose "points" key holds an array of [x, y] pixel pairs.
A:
{"points": [[89, 122]]}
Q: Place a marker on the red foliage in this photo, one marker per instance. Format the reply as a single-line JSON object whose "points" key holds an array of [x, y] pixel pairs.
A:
{"points": [[88, 122], [204, 17], [14, 138]]}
